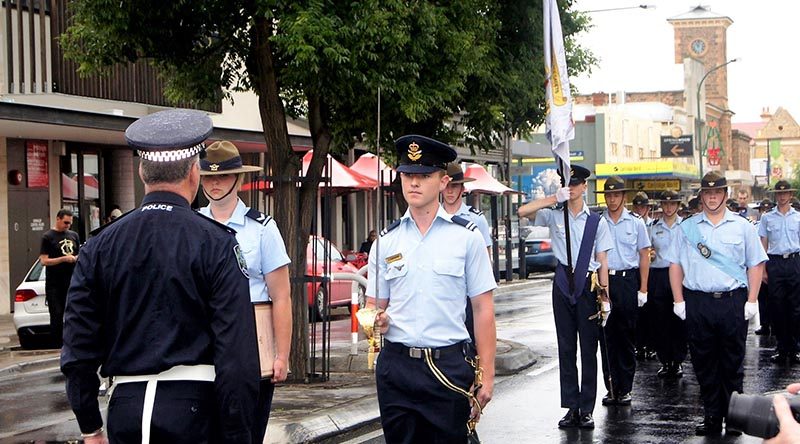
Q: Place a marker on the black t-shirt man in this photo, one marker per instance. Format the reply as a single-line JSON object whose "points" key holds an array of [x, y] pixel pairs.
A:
{"points": [[59, 252]]}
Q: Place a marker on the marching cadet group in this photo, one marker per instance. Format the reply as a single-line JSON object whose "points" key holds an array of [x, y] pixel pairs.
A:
{"points": [[162, 298]]}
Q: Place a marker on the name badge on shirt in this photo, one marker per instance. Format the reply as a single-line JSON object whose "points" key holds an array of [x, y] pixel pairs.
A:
{"points": [[394, 258]]}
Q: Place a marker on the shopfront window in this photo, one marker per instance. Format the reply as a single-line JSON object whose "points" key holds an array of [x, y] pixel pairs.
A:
{"points": [[80, 188]]}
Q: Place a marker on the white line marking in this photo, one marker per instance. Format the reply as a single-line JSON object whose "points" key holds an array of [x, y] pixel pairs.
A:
{"points": [[543, 369], [365, 438]]}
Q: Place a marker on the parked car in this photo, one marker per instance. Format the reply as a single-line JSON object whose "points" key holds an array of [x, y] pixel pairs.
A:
{"points": [[539, 251], [31, 315], [340, 290]]}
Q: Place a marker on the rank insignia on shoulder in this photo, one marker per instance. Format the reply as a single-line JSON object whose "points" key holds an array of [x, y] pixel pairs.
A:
{"points": [[258, 216], [391, 227], [475, 211], [464, 223], [704, 250], [237, 250], [394, 258]]}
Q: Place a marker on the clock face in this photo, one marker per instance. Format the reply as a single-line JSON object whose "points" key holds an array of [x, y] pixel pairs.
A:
{"points": [[698, 46]]}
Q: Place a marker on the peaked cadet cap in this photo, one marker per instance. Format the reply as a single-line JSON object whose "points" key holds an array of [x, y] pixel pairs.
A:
{"points": [[169, 136], [613, 184], [670, 196], [712, 180], [457, 174], [419, 154], [641, 198], [223, 158], [577, 174], [781, 186]]}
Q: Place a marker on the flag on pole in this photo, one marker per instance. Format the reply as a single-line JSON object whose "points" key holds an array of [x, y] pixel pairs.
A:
{"points": [[558, 115]]}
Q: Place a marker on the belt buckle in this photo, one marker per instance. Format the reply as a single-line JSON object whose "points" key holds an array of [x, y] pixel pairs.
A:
{"points": [[787, 255], [415, 352], [612, 272], [717, 294]]}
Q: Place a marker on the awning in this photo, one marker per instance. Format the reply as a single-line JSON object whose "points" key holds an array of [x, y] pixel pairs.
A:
{"points": [[368, 165], [484, 183], [664, 168], [343, 179]]}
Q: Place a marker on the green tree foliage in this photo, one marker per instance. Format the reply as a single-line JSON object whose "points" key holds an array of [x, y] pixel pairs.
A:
{"points": [[465, 71]]}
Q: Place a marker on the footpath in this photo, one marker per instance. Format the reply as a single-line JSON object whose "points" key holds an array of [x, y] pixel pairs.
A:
{"points": [[301, 412]]}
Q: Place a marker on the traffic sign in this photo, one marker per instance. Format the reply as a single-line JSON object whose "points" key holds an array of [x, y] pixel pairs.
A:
{"points": [[682, 146]]}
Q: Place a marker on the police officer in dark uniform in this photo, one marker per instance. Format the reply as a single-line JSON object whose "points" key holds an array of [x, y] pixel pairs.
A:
{"points": [[716, 265], [780, 234], [574, 306], [421, 269], [159, 300]]}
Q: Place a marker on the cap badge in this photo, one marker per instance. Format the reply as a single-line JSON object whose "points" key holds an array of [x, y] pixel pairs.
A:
{"points": [[704, 251], [213, 167], [711, 184], [571, 172], [611, 187], [414, 152]]}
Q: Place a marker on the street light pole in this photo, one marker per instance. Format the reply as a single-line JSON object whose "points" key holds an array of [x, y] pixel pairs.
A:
{"points": [[697, 130], [622, 8]]}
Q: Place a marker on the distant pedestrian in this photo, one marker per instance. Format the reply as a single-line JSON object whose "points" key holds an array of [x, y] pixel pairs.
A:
{"points": [[575, 305], [159, 301], [716, 264], [58, 253], [367, 244], [427, 264]]}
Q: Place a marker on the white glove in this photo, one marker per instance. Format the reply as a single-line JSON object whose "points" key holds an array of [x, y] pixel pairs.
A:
{"points": [[605, 312], [642, 299], [679, 308], [750, 310], [562, 195]]}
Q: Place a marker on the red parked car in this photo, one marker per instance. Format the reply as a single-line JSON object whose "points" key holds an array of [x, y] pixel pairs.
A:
{"points": [[340, 290]]}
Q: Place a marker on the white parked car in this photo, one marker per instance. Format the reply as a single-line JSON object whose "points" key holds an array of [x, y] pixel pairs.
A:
{"points": [[31, 316]]}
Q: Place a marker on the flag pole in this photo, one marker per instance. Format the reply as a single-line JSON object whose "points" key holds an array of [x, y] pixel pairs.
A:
{"points": [[567, 235]]}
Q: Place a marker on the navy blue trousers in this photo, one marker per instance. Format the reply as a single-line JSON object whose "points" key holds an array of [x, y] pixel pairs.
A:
{"points": [[415, 407], [717, 332], [573, 326], [266, 389], [784, 301], [620, 333], [671, 330]]}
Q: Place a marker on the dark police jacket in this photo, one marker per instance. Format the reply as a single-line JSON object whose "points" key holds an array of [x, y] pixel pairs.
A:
{"points": [[157, 288]]}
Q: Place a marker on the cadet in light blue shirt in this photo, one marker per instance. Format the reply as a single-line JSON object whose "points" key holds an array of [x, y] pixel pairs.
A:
{"points": [[421, 270], [628, 271], [716, 264], [553, 218], [222, 174], [780, 235]]}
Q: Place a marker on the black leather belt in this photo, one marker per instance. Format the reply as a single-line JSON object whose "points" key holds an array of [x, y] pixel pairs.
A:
{"points": [[419, 352], [622, 273], [717, 294], [784, 256]]}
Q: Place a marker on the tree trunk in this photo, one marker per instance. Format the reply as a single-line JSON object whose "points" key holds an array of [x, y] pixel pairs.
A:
{"points": [[282, 165]]}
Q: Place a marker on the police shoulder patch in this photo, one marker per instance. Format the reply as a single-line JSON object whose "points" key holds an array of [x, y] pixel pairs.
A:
{"points": [[475, 211], [258, 216], [464, 223], [391, 227], [237, 250]]}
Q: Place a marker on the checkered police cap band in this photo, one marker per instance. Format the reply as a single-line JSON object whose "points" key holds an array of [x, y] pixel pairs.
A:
{"points": [[174, 155]]}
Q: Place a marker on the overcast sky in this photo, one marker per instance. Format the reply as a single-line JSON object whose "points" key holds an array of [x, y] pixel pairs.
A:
{"points": [[636, 51]]}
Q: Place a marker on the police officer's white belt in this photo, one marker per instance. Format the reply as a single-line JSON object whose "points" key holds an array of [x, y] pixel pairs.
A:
{"points": [[201, 372]]}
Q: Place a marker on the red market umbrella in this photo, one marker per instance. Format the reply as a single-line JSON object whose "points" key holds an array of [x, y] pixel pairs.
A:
{"points": [[368, 165], [342, 178], [484, 183]]}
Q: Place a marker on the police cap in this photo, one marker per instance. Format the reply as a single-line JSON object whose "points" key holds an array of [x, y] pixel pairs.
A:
{"points": [[457, 174], [169, 136], [420, 155]]}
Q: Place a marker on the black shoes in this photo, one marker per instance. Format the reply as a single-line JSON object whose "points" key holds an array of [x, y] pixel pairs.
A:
{"points": [[780, 358], [665, 370], [677, 371], [650, 355], [640, 354], [608, 399], [762, 331], [571, 419], [587, 422], [671, 370], [711, 425], [623, 400], [794, 358]]}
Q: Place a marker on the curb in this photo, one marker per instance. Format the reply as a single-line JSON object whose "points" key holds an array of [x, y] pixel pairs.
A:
{"points": [[316, 427], [30, 366]]}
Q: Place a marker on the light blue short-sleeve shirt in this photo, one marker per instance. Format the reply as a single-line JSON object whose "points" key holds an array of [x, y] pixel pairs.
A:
{"points": [[782, 231], [478, 219], [262, 247], [662, 236], [735, 237], [629, 234], [427, 279], [554, 220]]}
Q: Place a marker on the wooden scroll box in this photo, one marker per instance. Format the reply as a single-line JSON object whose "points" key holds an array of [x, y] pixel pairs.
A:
{"points": [[266, 337]]}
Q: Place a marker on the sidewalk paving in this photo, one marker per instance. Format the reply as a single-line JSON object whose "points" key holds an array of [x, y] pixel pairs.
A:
{"points": [[300, 412]]}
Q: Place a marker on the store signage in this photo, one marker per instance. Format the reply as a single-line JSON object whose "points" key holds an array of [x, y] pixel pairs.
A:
{"points": [[657, 185], [36, 160], [682, 146]]}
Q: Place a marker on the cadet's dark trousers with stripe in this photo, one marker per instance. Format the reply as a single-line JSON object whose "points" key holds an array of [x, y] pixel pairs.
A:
{"points": [[671, 337], [717, 332], [415, 407], [184, 412], [620, 349], [784, 298], [572, 325]]}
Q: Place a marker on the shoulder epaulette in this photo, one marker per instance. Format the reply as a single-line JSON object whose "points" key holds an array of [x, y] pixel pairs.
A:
{"points": [[476, 211], [464, 223], [214, 222], [391, 227], [258, 216], [97, 230]]}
